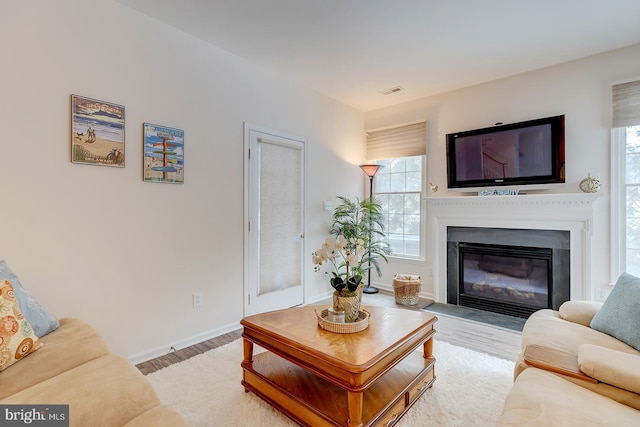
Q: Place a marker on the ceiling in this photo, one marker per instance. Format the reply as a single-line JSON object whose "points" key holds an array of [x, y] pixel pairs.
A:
{"points": [[351, 50]]}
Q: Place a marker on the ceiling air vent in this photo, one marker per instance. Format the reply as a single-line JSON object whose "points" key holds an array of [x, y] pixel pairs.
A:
{"points": [[392, 90]]}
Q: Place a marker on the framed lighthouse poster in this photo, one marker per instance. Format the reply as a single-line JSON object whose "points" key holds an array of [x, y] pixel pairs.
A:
{"points": [[163, 154]]}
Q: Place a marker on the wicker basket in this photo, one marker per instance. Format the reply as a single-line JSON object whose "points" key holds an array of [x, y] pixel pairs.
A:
{"points": [[406, 288], [360, 324]]}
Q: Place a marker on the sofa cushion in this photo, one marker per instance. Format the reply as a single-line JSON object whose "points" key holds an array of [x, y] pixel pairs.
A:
{"points": [[580, 312], [73, 344], [610, 366], [17, 338], [40, 319], [548, 329], [540, 398], [107, 391], [620, 313]]}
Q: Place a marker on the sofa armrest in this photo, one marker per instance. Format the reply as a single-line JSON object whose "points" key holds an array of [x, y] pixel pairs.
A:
{"points": [[609, 366], [580, 312]]}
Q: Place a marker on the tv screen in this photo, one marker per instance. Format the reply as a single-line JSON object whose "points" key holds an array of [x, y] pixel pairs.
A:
{"points": [[524, 153]]}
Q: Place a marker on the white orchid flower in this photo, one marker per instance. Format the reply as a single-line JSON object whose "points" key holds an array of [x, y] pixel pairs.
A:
{"points": [[351, 259], [330, 244]]}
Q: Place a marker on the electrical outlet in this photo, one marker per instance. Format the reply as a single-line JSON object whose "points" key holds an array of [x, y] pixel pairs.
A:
{"points": [[197, 299], [601, 294]]}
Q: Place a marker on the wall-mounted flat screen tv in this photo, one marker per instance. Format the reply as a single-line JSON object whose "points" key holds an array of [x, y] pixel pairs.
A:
{"points": [[523, 153]]}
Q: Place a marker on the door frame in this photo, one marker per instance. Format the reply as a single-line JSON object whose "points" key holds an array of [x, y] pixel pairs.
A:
{"points": [[249, 127]]}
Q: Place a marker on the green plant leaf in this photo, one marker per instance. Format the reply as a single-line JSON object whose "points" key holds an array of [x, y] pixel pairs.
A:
{"points": [[353, 283]]}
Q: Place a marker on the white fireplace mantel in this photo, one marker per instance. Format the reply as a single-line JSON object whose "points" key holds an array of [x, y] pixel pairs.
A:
{"points": [[571, 212]]}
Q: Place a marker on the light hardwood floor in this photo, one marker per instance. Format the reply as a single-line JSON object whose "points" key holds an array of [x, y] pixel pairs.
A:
{"points": [[481, 337], [477, 336]]}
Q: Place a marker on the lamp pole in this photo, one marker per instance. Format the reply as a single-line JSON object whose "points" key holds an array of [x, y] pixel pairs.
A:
{"points": [[370, 171]]}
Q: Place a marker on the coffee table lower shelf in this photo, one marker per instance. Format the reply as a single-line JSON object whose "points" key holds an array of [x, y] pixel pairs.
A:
{"points": [[311, 400]]}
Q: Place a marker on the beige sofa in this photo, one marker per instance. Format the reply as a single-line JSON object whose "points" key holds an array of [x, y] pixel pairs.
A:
{"points": [[74, 366], [540, 397]]}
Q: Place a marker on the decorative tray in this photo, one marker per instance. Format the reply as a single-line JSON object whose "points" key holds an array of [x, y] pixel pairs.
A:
{"points": [[360, 324]]}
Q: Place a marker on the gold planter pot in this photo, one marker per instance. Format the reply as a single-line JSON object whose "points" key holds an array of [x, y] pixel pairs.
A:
{"points": [[349, 302]]}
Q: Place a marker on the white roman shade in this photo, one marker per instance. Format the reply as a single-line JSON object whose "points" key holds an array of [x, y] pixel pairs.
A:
{"points": [[401, 141], [626, 104]]}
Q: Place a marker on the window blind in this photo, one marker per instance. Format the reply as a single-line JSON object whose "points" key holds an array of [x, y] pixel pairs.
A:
{"points": [[400, 141], [626, 104]]}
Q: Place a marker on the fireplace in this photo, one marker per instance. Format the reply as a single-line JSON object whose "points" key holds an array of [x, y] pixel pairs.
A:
{"points": [[508, 271], [571, 213]]}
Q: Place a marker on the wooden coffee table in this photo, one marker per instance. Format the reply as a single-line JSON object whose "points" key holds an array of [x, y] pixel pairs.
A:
{"points": [[322, 378]]}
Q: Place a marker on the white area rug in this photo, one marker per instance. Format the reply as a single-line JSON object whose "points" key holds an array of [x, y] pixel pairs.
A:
{"points": [[469, 390]]}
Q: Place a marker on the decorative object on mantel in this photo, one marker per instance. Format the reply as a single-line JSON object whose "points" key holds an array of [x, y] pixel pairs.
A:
{"points": [[495, 192], [360, 323], [355, 244], [590, 184]]}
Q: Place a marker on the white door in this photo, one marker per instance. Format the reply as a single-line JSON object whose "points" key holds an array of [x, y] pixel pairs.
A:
{"points": [[274, 214]]}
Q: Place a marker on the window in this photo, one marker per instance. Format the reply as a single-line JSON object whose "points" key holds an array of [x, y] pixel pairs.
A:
{"points": [[625, 179], [626, 141], [398, 185]]}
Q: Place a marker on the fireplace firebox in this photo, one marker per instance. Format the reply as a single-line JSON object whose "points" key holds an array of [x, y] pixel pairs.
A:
{"points": [[511, 280], [506, 278]]}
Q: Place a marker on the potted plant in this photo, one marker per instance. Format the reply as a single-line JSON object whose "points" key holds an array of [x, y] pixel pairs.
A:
{"points": [[356, 243]]}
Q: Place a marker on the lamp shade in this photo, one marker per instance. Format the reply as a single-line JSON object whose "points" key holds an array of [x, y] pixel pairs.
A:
{"points": [[371, 170]]}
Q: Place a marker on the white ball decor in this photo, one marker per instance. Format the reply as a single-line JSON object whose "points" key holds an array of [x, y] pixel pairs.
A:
{"points": [[590, 184]]}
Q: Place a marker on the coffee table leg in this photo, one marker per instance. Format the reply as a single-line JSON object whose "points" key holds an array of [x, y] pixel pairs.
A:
{"points": [[355, 409], [248, 356], [428, 348]]}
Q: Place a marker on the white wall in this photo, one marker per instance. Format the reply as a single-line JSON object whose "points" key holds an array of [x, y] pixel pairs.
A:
{"points": [[579, 89], [97, 242]]}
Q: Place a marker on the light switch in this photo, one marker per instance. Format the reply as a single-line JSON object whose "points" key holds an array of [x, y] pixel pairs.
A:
{"points": [[327, 205]]}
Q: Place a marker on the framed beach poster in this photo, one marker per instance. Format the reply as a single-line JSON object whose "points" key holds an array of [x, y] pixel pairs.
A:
{"points": [[163, 154], [97, 132]]}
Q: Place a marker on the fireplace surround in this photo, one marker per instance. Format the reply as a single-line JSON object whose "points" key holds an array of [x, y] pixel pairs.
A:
{"points": [[508, 271], [572, 213]]}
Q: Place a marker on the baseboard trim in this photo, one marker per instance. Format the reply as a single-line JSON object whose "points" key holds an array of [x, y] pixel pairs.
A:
{"points": [[187, 342]]}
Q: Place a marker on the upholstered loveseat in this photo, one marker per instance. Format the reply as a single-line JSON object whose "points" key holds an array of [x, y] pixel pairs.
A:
{"points": [[75, 367], [578, 374], [46, 361]]}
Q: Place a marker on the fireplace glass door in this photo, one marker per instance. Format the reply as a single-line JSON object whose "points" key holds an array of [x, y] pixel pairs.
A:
{"points": [[505, 278]]}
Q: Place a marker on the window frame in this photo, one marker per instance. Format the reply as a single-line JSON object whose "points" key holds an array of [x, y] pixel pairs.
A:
{"points": [[618, 212], [422, 205], [618, 202]]}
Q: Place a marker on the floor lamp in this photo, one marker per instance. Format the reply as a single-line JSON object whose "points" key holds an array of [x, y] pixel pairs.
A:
{"points": [[371, 171]]}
